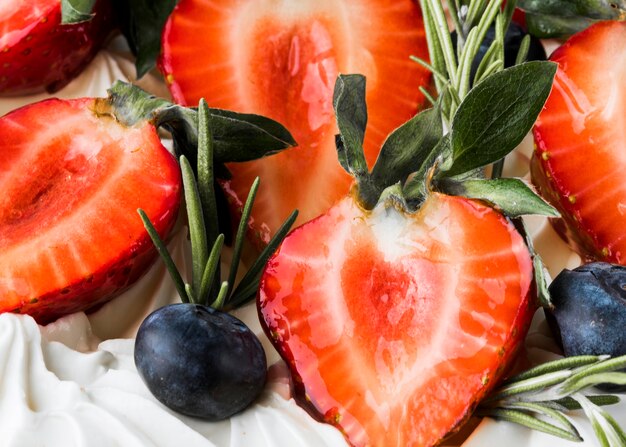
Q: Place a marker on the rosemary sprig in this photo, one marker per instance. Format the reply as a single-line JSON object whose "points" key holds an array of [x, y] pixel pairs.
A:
{"points": [[541, 397], [205, 287], [452, 69]]}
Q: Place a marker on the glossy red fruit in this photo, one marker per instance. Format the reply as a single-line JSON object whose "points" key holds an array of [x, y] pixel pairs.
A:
{"points": [[72, 180], [281, 59], [395, 325], [579, 162], [38, 53]]}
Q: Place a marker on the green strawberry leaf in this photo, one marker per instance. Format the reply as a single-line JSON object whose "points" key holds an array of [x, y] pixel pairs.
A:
{"points": [[416, 188], [545, 26], [76, 11], [143, 22], [496, 115], [406, 148], [592, 9], [351, 113], [510, 195]]}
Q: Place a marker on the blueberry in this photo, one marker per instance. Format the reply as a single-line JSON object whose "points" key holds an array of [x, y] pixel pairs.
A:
{"points": [[512, 41], [589, 313], [199, 361]]}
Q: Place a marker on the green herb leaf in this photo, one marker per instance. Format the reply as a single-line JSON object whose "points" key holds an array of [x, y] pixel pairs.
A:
{"points": [[241, 232], [416, 187], [497, 114], [197, 229], [406, 148], [527, 420], [236, 136], [249, 284], [512, 196], [593, 9], [553, 388], [209, 276], [546, 27], [165, 255], [206, 174], [351, 112], [143, 23], [76, 11]]}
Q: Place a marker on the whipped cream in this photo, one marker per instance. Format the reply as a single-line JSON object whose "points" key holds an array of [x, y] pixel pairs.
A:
{"points": [[56, 389], [74, 382]]}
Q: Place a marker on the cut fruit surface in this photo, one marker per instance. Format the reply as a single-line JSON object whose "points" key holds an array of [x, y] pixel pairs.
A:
{"points": [[72, 180], [580, 136], [395, 325], [38, 53], [280, 59]]}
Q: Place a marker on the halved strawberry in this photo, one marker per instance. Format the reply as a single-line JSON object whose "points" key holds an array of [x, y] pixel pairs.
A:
{"points": [[37, 52], [73, 174], [280, 59], [72, 178], [395, 325], [401, 307], [579, 160]]}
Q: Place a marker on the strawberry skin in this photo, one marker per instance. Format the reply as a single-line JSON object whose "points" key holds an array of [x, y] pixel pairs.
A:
{"points": [[38, 53], [280, 60], [579, 160], [72, 180], [395, 325]]}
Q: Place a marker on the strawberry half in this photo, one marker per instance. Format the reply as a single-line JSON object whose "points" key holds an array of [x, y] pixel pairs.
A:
{"points": [[70, 237], [579, 160], [281, 60], [38, 53], [73, 174], [397, 324], [401, 307]]}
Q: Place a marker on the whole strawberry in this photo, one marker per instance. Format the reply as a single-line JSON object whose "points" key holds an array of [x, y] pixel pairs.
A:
{"points": [[400, 308], [38, 52], [579, 160]]}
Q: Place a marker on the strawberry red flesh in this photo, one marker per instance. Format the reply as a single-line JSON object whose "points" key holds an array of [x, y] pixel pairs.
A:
{"points": [[580, 160], [38, 53], [72, 180], [395, 325], [281, 61]]}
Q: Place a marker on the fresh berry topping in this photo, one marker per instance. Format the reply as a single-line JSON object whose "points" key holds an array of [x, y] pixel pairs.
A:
{"points": [[579, 161], [281, 60], [199, 361], [196, 359], [37, 52], [430, 306], [72, 179], [589, 311], [428, 293]]}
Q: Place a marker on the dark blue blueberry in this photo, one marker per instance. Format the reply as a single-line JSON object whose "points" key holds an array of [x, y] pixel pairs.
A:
{"points": [[512, 41], [589, 315], [199, 361]]}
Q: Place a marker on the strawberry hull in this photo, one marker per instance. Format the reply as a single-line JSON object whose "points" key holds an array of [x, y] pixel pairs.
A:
{"points": [[41, 54], [395, 326], [70, 235]]}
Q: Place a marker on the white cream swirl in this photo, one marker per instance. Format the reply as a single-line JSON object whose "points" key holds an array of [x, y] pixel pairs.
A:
{"points": [[56, 390]]}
